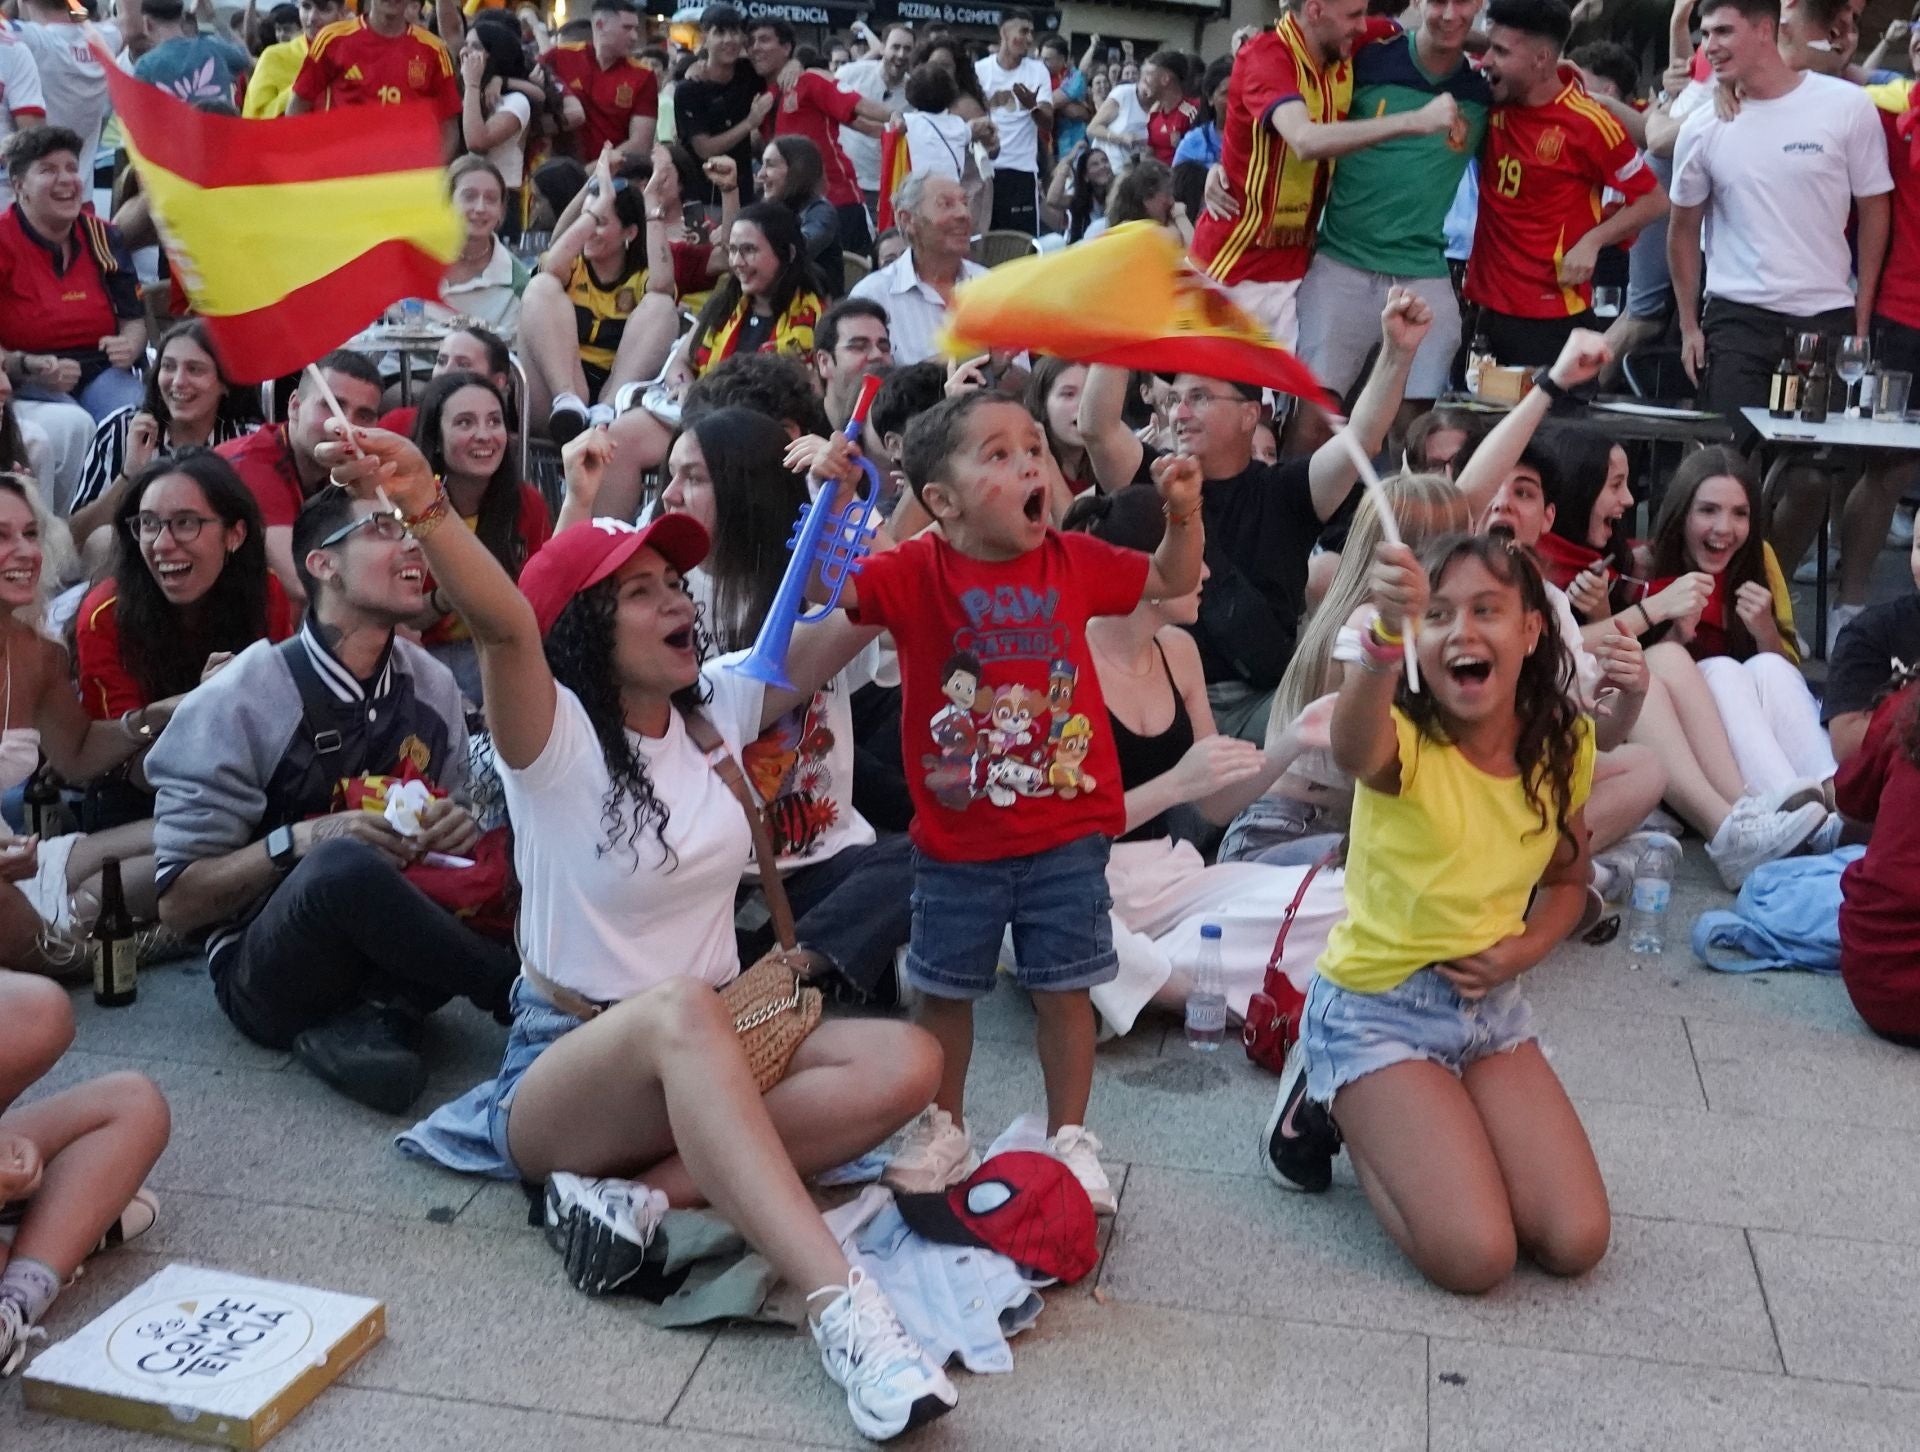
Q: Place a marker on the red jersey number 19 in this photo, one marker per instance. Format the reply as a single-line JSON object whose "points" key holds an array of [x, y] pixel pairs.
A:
{"points": [[1508, 182]]}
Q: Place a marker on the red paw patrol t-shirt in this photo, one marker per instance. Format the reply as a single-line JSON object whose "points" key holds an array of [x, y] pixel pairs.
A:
{"points": [[1003, 729]]}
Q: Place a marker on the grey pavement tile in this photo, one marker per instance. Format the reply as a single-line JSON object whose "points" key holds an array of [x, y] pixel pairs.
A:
{"points": [[377, 1421], [1631, 1058], [1485, 1396], [281, 1138], [1759, 1172], [1785, 1072], [1123, 1378], [175, 1017], [1682, 1293], [471, 1315], [1845, 1310]]}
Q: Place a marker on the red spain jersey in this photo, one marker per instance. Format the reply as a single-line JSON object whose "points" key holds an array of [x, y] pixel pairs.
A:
{"points": [[1280, 195], [611, 98], [1542, 172], [352, 64]]}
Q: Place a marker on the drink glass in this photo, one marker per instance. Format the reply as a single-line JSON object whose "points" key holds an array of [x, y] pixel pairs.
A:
{"points": [[1895, 387], [1607, 301], [1806, 349], [1850, 362]]}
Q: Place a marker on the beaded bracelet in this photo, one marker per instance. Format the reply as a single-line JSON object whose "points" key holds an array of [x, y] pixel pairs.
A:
{"points": [[429, 519]]}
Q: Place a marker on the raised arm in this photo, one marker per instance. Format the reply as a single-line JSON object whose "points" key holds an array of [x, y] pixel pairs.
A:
{"points": [[1581, 358], [1365, 745], [1312, 140], [1112, 451], [513, 664], [1175, 570]]}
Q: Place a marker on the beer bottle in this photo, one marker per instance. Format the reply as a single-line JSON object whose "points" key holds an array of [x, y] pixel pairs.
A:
{"points": [[111, 945], [1813, 402]]}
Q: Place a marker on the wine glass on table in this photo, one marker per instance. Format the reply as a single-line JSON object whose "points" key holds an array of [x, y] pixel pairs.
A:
{"points": [[1850, 362], [1806, 352]]}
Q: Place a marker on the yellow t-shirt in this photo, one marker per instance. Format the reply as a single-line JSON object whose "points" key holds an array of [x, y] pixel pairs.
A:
{"points": [[1443, 869], [271, 85]]}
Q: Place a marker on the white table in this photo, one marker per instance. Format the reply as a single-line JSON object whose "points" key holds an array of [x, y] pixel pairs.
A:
{"points": [[1838, 432]]}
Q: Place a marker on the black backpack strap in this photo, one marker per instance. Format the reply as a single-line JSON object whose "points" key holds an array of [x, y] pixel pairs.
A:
{"points": [[338, 757]]}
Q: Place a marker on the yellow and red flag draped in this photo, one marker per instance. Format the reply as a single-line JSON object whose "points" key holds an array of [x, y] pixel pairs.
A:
{"points": [[292, 234], [895, 164], [1128, 298]]}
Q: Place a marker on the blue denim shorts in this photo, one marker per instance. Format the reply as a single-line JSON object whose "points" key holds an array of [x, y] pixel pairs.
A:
{"points": [[1056, 902], [1350, 1035]]}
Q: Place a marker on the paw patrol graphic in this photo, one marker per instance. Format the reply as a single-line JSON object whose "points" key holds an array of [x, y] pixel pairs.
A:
{"points": [[1061, 676], [1070, 750], [956, 733]]}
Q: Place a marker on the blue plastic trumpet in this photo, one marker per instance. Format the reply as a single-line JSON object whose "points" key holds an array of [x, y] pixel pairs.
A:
{"points": [[833, 543]]}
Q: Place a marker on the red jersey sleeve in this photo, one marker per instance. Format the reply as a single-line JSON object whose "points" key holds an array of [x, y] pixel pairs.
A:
{"points": [[315, 72], [822, 94], [1271, 76], [1863, 776], [107, 688], [884, 584], [1113, 578], [445, 93]]}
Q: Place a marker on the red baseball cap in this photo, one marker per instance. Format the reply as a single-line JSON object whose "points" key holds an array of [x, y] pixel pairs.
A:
{"points": [[1025, 1205], [584, 554]]}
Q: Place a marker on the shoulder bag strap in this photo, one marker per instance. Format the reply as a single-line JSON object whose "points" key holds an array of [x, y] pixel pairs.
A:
{"points": [[1286, 922], [707, 738]]}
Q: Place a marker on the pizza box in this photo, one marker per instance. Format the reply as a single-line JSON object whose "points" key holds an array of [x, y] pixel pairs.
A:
{"points": [[205, 1355]]}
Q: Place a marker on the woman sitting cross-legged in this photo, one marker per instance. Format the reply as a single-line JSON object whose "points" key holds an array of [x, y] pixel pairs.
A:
{"points": [[625, 1086]]}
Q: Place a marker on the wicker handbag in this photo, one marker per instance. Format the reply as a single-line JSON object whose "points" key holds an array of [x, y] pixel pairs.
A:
{"points": [[772, 1006]]}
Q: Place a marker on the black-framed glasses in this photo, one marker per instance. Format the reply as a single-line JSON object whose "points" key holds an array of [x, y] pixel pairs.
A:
{"points": [[1198, 400], [146, 525], [385, 524]]}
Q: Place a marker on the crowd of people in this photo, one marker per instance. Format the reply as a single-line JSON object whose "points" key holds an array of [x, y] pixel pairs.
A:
{"points": [[1127, 681]]}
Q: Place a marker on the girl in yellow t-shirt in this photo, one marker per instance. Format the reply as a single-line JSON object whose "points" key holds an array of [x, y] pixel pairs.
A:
{"points": [[1468, 802]]}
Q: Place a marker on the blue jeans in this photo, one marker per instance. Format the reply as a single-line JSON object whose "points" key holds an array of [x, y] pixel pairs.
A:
{"points": [[855, 909], [102, 391], [1056, 902], [1349, 1035]]}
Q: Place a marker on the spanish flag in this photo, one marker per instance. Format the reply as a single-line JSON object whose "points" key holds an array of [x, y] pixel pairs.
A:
{"points": [[291, 234], [896, 164], [1129, 298]]}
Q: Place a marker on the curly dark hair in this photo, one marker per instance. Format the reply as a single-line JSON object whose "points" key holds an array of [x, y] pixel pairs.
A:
{"points": [[579, 651], [1543, 697], [163, 645]]}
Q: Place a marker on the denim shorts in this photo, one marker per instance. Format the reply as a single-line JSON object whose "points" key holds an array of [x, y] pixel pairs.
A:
{"points": [[1350, 1035], [1056, 902]]}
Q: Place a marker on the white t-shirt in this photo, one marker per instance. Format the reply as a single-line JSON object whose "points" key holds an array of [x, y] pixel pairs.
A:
{"points": [[869, 79], [611, 922], [802, 768], [1019, 139], [510, 156], [72, 81], [937, 143], [19, 91], [1778, 182], [1586, 665], [1131, 121]]}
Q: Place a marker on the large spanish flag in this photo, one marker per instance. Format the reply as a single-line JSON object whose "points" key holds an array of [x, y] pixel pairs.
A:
{"points": [[1129, 297], [290, 234]]}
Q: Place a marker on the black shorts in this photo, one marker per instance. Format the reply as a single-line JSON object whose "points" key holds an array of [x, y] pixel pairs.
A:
{"points": [[1745, 345], [1896, 346], [1527, 342]]}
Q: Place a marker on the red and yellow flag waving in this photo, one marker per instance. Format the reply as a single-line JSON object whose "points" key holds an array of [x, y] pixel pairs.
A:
{"points": [[895, 165], [292, 234], [1128, 298]]}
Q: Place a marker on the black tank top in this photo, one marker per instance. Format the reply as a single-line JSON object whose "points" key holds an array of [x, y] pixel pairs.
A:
{"points": [[1142, 758]]}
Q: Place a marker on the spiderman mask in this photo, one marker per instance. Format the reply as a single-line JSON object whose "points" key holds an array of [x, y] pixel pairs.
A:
{"points": [[1025, 1205]]}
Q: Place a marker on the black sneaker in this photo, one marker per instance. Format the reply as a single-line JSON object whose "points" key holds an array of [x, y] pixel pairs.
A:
{"points": [[567, 421], [601, 1228], [1300, 1140], [370, 1054]]}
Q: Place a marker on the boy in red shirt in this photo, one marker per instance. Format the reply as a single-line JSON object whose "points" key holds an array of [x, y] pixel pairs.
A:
{"points": [[1010, 760]]}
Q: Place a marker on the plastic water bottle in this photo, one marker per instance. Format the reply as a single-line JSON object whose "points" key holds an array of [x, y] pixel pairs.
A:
{"points": [[1207, 999], [1652, 892]]}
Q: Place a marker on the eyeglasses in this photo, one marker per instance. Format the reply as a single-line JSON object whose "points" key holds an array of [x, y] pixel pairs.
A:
{"points": [[1199, 400], [186, 528], [385, 525]]}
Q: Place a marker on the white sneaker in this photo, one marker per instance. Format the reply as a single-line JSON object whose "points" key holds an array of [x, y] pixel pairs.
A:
{"points": [[935, 1153], [601, 1228], [1613, 869], [892, 1385], [1900, 535], [1750, 837], [15, 1333], [1079, 1151], [1662, 821], [1826, 836], [1839, 617]]}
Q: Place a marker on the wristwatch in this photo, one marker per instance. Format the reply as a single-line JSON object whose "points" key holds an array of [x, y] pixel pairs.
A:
{"points": [[280, 849]]}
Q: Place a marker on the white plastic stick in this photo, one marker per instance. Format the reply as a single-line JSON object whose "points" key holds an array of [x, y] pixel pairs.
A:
{"points": [[346, 424], [1388, 527]]}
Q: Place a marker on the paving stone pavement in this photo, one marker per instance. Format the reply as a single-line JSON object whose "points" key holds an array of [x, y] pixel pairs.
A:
{"points": [[1762, 1152]]}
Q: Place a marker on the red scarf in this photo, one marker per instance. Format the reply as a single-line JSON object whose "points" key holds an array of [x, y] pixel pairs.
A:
{"points": [[1710, 635], [1562, 560]]}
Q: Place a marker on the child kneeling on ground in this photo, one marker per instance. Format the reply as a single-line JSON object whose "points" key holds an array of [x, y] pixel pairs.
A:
{"points": [[1469, 801], [1016, 785]]}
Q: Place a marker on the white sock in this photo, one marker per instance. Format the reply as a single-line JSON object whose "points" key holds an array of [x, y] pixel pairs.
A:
{"points": [[571, 401], [31, 1285]]}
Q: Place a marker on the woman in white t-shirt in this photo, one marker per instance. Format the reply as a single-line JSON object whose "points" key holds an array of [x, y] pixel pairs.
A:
{"points": [[494, 118], [629, 847], [851, 890]]}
